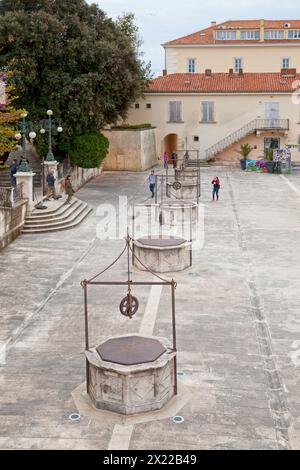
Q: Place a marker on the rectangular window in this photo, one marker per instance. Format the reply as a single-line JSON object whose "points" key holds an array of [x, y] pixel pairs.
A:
{"points": [[250, 35], [272, 143], [294, 34], [208, 111], [148, 105], [274, 34], [286, 63], [137, 106], [226, 35], [191, 65], [238, 64], [175, 111], [196, 138]]}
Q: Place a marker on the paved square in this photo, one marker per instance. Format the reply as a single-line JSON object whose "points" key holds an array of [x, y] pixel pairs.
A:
{"points": [[238, 324]]}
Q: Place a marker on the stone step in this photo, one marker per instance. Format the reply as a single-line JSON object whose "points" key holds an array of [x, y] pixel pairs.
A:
{"points": [[65, 226], [58, 207], [39, 216], [67, 216], [57, 222]]}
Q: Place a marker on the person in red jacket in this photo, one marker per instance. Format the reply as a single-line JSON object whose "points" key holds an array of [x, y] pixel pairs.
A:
{"points": [[216, 187]]}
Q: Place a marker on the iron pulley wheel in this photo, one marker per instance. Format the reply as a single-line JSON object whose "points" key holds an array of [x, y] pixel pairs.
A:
{"points": [[177, 186], [129, 306]]}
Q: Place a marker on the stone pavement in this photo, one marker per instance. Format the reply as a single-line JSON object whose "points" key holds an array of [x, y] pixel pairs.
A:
{"points": [[238, 324]]}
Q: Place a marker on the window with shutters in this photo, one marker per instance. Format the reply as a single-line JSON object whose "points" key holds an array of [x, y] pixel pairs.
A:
{"points": [[226, 35], [250, 35], [191, 66], [294, 34], [175, 111], [274, 34], [286, 63], [208, 111], [238, 64]]}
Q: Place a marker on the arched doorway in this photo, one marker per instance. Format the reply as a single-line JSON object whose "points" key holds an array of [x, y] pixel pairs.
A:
{"points": [[170, 144]]}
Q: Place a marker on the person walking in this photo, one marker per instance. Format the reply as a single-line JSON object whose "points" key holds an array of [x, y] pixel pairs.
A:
{"points": [[216, 187], [152, 183], [166, 160], [174, 160], [13, 171], [51, 186], [69, 189]]}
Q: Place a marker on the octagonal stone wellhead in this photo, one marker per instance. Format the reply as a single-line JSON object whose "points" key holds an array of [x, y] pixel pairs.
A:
{"points": [[176, 212], [162, 254], [186, 189], [131, 374]]}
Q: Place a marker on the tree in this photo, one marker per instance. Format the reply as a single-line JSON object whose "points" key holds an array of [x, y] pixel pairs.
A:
{"points": [[8, 117], [68, 56], [88, 150]]}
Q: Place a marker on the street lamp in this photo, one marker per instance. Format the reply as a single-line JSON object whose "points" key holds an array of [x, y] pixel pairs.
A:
{"points": [[50, 126], [25, 128]]}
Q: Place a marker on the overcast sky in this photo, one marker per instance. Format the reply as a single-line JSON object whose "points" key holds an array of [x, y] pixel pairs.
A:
{"points": [[163, 20]]}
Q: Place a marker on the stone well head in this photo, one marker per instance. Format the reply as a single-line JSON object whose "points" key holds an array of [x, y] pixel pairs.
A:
{"points": [[131, 374]]}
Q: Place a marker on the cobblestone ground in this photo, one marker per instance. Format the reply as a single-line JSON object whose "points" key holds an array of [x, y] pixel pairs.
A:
{"points": [[238, 325]]}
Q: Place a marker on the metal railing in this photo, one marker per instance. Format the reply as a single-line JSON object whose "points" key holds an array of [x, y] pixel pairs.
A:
{"points": [[10, 196], [252, 126]]}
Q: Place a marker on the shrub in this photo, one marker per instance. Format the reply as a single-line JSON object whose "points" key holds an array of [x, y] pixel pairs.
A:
{"points": [[88, 150]]}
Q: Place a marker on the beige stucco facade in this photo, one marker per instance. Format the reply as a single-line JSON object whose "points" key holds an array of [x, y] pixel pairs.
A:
{"points": [[130, 149], [220, 58], [232, 113]]}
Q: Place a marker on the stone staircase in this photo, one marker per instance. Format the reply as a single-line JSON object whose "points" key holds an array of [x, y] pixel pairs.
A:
{"points": [[249, 128], [5, 178], [58, 216], [193, 163], [295, 167]]}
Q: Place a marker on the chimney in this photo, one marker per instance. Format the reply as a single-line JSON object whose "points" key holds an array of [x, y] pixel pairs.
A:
{"points": [[213, 23], [241, 72], [230, 71], [208, 72], [164, 72], [262, 31], [289, 73]]}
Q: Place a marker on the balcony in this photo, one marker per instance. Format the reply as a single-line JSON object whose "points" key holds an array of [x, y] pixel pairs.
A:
{"points": [[272, 124]]}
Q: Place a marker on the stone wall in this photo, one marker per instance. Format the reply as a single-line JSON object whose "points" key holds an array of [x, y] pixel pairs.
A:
{"points": [[131, 149], [80, 176], [11, 222]]}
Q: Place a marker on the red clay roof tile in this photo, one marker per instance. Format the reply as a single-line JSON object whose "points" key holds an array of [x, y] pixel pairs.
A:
{"points": [[196, 38], [223, 83]]}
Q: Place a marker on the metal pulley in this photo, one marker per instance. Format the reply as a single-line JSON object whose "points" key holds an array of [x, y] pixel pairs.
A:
{"points": [[129, 306], [176, 185]]}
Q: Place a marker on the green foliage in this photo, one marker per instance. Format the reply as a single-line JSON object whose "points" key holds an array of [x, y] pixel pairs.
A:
{"points": [[245, 151], [133, 126], [70, 57], [87, 150], [9, 115], [269, 154]]}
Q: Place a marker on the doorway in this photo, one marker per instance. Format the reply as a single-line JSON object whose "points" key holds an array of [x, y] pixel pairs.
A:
{"points": [[170, 144], [272, 114]]}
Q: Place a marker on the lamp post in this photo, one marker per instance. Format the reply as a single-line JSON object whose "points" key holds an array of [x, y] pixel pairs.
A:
{"points": [[50, 125], [25, 128]]}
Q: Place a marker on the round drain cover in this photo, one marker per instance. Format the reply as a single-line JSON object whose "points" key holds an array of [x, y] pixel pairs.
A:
{"points": [[178, 419], [74, 417]]}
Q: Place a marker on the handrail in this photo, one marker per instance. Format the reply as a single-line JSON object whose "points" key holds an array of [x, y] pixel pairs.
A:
{"points": [[252, 126]]}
